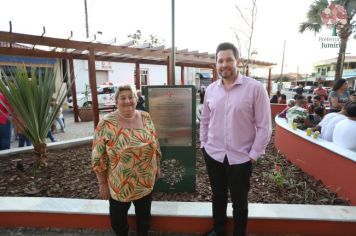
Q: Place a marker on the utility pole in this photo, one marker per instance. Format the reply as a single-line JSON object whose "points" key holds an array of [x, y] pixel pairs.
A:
{"points": [[173, 52], [284, 48], [86, 18]]}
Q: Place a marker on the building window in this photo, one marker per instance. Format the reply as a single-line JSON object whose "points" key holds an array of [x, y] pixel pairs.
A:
{"points": [[144, 76]]}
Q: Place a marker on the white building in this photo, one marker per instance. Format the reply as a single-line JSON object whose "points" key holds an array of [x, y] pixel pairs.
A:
{"points": [[124, 73]]}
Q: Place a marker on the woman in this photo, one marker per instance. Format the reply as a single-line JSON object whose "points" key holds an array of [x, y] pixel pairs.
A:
{"points": [[126, 159], [339, 95]]}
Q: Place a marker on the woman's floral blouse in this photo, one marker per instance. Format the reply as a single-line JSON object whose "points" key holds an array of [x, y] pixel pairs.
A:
{"points": [[130, 157]]}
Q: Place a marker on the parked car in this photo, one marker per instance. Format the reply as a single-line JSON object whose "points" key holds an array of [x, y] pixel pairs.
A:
{"points": [[106, 97], [309, 89]]}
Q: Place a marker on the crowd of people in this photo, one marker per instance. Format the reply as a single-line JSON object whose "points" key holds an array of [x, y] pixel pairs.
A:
{"points": [[336, 123]]}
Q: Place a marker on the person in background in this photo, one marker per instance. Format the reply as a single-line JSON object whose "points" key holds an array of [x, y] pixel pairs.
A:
{"points": [[5, 124], [140, 101], [233, 134], [321, 92], [299, 90], [291, 103], [280, 86], [328, 123], [315, 104], [126, 160], [274, 99], [309, 100], [298, 113], [345, 131], [316, 116], [353, 97], [59, 117], [283, 99], [339, 95], [23, 140], [202, 94]]}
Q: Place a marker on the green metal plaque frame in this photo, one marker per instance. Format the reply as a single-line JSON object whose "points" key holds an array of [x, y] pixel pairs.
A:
{"points": [[173, 111]]}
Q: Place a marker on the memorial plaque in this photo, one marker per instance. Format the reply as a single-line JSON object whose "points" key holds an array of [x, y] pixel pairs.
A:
{"points": [[171, 111]]}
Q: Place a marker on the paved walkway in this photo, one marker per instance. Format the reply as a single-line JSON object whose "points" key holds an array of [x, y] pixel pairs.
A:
{"points": [[72, 129]]}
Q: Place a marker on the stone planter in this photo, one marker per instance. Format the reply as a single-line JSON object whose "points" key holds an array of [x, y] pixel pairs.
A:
{"points": [[86, 114]]}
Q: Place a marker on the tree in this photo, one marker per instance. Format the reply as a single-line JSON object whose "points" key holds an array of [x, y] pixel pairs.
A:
{"points": [[315, 23], [152, 41], [30, 93], [244, 33]]}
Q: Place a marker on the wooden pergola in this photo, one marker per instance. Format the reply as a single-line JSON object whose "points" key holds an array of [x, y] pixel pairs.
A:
{"points": [[72, 49]]}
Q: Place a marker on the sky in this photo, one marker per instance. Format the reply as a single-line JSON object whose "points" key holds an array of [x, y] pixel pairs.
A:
{"points": [[199, 25]]}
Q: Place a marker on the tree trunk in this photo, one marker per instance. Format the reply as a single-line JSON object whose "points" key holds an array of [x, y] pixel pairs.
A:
{"points": [[344, 34]]}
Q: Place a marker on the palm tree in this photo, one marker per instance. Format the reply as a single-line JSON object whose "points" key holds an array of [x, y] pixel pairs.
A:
{"points": [[30, 96], [315, 24]]}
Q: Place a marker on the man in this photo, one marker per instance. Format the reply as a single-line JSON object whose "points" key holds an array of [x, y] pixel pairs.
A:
{"points": [[321, 92], [280, 86], [345, 131], [316, 103], [299, 90], [235, 129], [298, 113]]}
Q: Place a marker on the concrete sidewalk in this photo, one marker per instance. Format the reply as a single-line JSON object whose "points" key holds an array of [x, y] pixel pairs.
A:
{"points": [[72, 129]]}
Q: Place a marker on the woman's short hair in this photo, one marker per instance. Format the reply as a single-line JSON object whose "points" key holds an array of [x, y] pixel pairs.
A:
{"points": [[126, 87]]}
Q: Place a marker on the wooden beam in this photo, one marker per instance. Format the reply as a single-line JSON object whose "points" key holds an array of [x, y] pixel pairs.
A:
{"points": [[269, 81], [182, 75], [74, 90], [215, 74], [40, 53], [92, 82], [169, 78], [137, 76]]}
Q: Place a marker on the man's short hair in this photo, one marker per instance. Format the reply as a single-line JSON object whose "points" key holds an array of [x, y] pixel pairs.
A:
{"points": [[317, 97], [227, 46], [350, 108], [299, 98]]}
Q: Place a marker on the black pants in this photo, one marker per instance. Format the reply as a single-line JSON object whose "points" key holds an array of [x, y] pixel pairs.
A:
{"points": [[118, 216], [224, 176]]}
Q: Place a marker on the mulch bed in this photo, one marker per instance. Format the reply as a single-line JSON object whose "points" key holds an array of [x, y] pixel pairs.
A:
{"points": [[69, 175]]}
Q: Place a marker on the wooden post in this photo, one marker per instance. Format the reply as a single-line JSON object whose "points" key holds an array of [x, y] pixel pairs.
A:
{"points": [[92, 82], [169, 77], [74, 90], [247, 70], [137, 76], [182, 75], [215, 75], [269, 81]]}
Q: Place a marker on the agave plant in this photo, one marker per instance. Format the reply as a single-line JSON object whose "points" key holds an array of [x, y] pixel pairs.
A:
{"points": [[30, 96]]}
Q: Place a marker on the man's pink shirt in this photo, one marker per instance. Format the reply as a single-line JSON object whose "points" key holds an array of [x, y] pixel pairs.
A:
{"points": [[237, 121]]}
